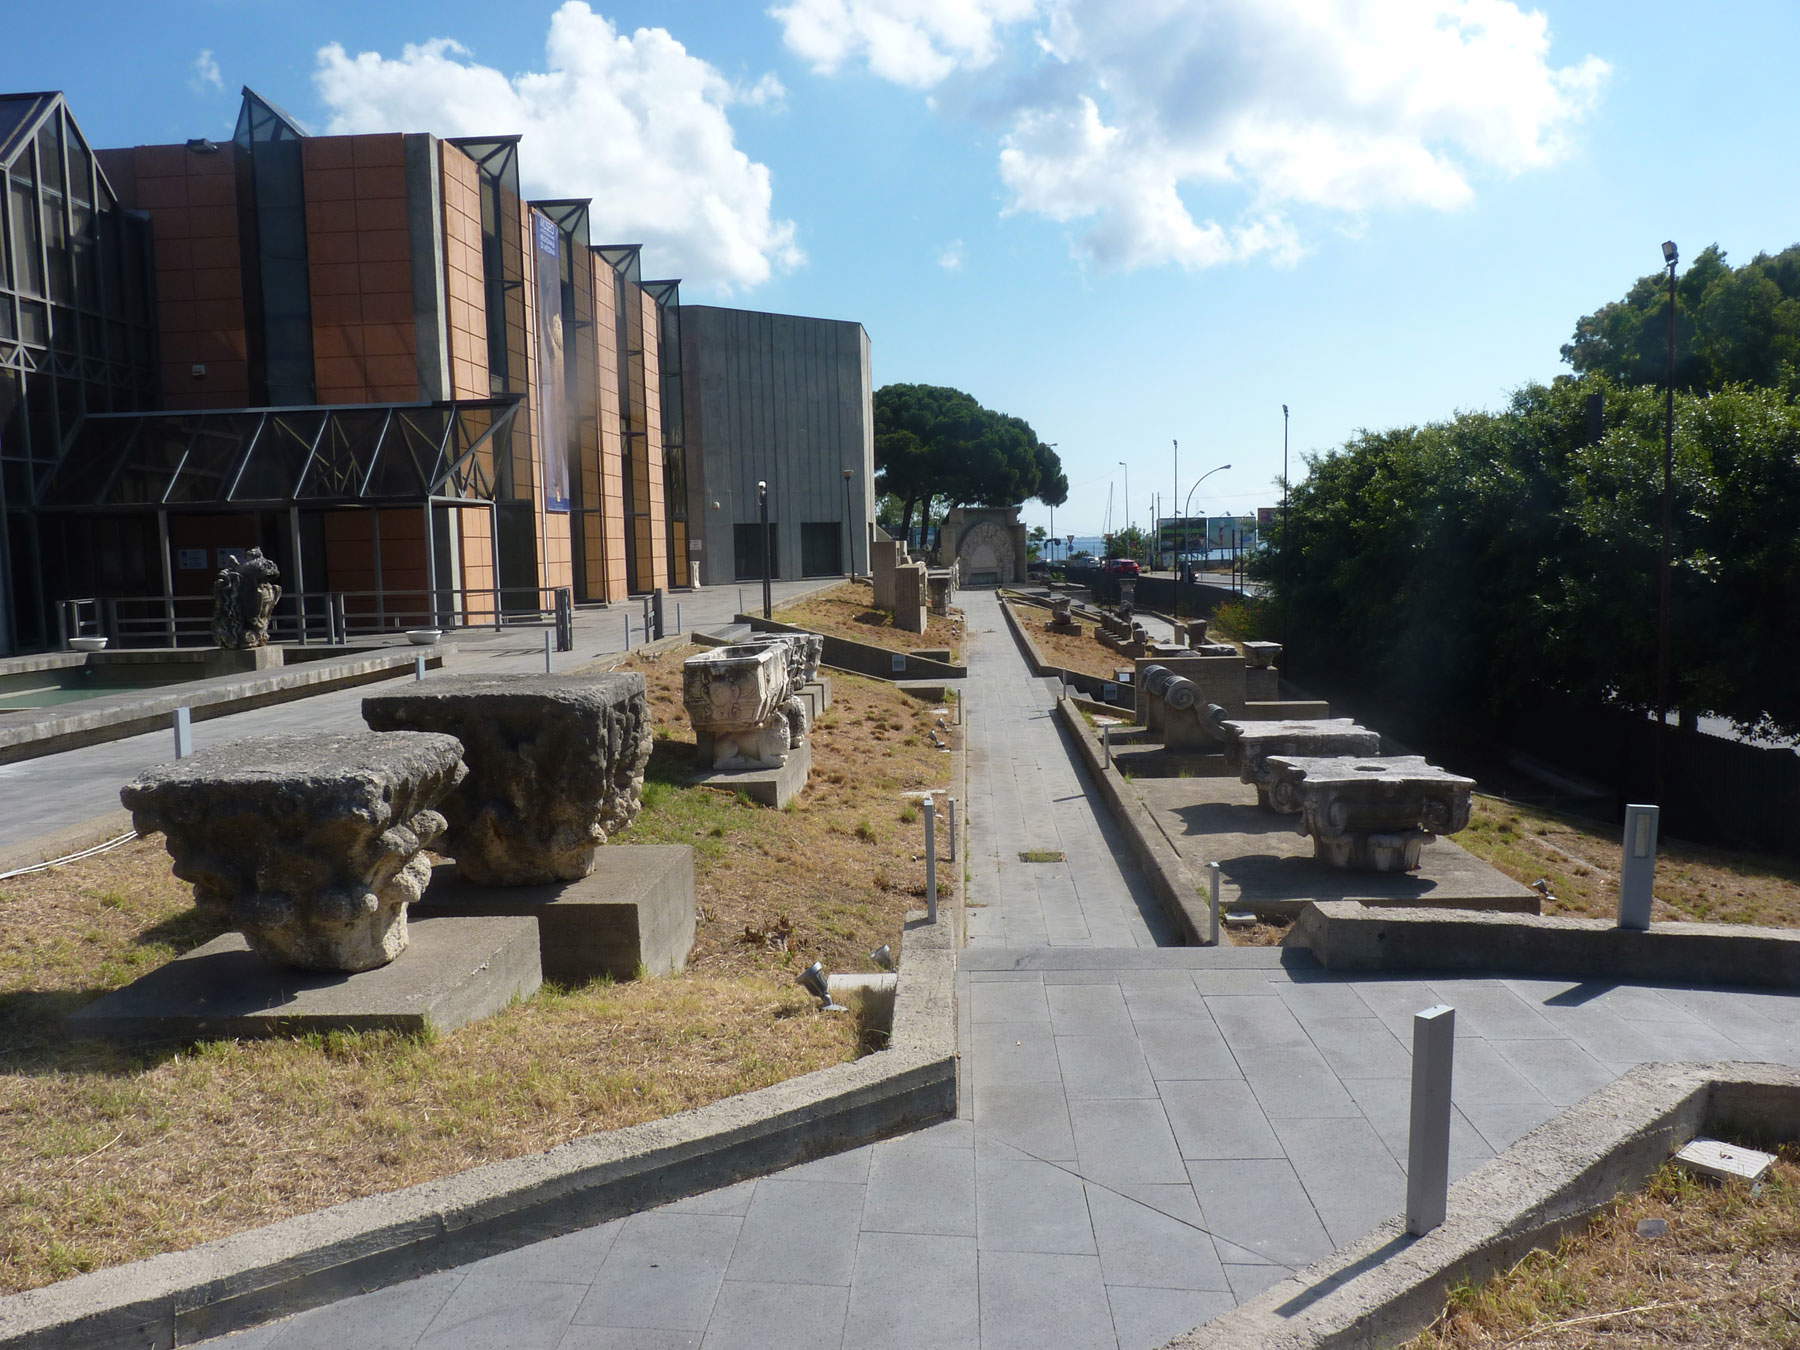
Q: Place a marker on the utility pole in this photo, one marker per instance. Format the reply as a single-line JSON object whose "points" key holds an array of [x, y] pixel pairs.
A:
{"points": [[1664, 603], [1287, 543]]}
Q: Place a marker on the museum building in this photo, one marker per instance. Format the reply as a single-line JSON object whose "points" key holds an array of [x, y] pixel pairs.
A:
{"points": [[423, 396]]}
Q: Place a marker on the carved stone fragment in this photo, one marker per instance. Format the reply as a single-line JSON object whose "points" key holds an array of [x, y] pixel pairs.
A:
{"points": [[308, 845], [556, 767], [244, 596], [1372, 815], [1249, 745], [735, 697]]}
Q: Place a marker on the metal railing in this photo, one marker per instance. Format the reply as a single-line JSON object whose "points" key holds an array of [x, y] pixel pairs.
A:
{"points": [[332, 618]]}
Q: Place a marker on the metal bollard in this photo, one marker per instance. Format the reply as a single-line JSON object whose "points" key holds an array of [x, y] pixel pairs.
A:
{"points": [[952, 829], [1428, 1140], [1212, 876], [628, 632], [184, 733], [419, 666], [1637, 866], [678, 627], [547, 636], [931, 860], [1106, 740], [740, 608]]}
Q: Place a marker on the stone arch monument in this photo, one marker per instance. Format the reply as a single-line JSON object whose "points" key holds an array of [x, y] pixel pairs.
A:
{"points": [[986, 544]]}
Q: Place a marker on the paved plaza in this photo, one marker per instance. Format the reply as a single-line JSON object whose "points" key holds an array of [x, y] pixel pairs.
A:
{"points": [[1148, 1134]]}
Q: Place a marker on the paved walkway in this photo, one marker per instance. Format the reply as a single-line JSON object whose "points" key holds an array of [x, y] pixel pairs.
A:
{"points": [[38, 796], [1148, 1135]]}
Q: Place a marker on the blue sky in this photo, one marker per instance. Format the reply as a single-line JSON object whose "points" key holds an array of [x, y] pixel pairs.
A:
{"points": [[1128, 222]]}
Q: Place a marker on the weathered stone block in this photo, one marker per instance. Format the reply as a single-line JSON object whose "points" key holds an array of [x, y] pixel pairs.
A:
{"points": [[556, 766], [1249, 746], [910, 596], [308, 845], [741, 701], [1370, 814]]}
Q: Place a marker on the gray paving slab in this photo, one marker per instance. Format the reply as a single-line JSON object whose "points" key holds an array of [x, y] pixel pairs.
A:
{"points": [[1125, 1141], [1143, 1245], [664, 1271], [914, 1291], [920, 1190], [1219, 1119], [1259, 1204], [1144, 1319], [387, 1319], [1178, 1050], [1030, 1300], [1359, 1047], [1033, 1117], [1030, 1206], [1349, 1174], [497, 1313], [755, 1316], [798, 1230], [1105, 1065]]}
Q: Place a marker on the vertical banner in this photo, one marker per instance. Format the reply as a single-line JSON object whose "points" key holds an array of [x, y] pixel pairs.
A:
{"points": [[552, 427]]}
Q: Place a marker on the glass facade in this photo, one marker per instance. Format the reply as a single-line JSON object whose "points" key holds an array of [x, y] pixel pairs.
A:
{"points": [[76, 328]]}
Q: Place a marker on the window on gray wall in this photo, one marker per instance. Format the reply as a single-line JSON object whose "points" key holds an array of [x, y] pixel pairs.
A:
{"points": [[821, 548], [747, 550]]}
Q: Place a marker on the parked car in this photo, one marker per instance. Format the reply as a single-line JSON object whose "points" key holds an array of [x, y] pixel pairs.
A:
{"points": [[1121, 567]]}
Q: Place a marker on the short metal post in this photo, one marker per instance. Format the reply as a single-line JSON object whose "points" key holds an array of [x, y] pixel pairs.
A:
{"points": [[656, 611], [547, 644], [628, 632], [740, 608], [419, 666], [1212, 879], [931, 859], [678, 624], [953, 829], [1428, 1142], [1106, 740], [1637, 866], [184, 733], [565, 620]]}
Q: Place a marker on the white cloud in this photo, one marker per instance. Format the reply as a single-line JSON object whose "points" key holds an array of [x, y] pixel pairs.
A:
{"points": [[953, 256], [1133, 111], [636, 122], [911, 42], [205, 78]]}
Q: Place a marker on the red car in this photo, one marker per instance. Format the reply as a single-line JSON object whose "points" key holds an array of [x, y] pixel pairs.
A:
{"points": [[1121, 567]]}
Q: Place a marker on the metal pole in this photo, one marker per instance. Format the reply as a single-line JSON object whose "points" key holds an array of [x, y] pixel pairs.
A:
{"points": [[1428, 1141], [678, 624], [931, 894], [1663, 582], [952, 829], [768, 560], [1287, 552], [184, 733], [1175, 484], [1106, 741], [1637, 866], [1212, 881], [547, 644], [419, 666], [628, 632]]}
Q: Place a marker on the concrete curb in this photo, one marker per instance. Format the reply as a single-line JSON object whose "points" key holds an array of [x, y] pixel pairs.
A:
{"points": [[1343, 935], [1175, 884], [61, 843], [1386, 1287], [298, 1263], [216, 696]]}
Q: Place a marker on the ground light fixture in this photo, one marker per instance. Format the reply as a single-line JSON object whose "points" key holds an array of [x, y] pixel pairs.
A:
{"points": [[817, 983], [883, 956]]}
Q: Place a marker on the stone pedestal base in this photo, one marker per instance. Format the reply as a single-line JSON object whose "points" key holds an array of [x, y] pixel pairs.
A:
{"points": [[817, 694], [635, 911], [1372, 851], [766, 787], [1072, 628], [454, 971]]}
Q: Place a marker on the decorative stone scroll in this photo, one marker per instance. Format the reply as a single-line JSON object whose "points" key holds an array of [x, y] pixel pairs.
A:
{"points": [[244, 596], [308, 845], [1372, 815], [556, 767]]}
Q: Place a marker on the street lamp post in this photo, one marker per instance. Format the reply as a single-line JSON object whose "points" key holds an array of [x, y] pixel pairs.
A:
{"points": [[1123, 465], [1186, 504], [768, 561], [849, 539], [1671, 255], [1287, 573]]}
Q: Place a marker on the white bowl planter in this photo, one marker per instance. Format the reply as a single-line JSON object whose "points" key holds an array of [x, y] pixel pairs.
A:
{"points": [[88, 644], [424, 637]]}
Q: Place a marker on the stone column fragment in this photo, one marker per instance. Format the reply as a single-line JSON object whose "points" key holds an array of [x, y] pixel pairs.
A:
{"points": [[556, 767], [308, 845]]}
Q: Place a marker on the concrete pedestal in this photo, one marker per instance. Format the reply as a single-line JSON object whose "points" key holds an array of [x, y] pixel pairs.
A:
{"points": [[634, 911], [766, 787], [454, 971]]}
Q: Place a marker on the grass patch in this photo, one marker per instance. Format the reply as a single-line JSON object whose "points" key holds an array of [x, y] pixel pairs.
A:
{"points": [[1042, 855], [848, 611], [1580, 860], [1726, 1273], [114, 1154]]}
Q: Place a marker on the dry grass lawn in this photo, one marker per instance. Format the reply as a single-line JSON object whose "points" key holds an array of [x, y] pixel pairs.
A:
{"points": [[112, 1154], [1725, 1273], [1084, 652], [1580, 860], [848, 611]]}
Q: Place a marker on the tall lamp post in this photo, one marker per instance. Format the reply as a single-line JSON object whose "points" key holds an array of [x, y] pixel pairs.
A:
{"points": [[1663, 580], [849, 539], [1186, 504], [768, 560], [1123, 465], [1287, 574]]}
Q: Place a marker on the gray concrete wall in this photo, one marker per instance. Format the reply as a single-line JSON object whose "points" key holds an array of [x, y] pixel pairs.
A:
{"points": [[785, 399]]}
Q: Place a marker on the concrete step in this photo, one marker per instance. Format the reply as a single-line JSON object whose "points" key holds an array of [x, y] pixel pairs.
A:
{"points": [[1134, 958]]}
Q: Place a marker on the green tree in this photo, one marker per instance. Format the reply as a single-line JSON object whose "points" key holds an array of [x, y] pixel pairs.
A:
{"points": [[932, 441]]}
